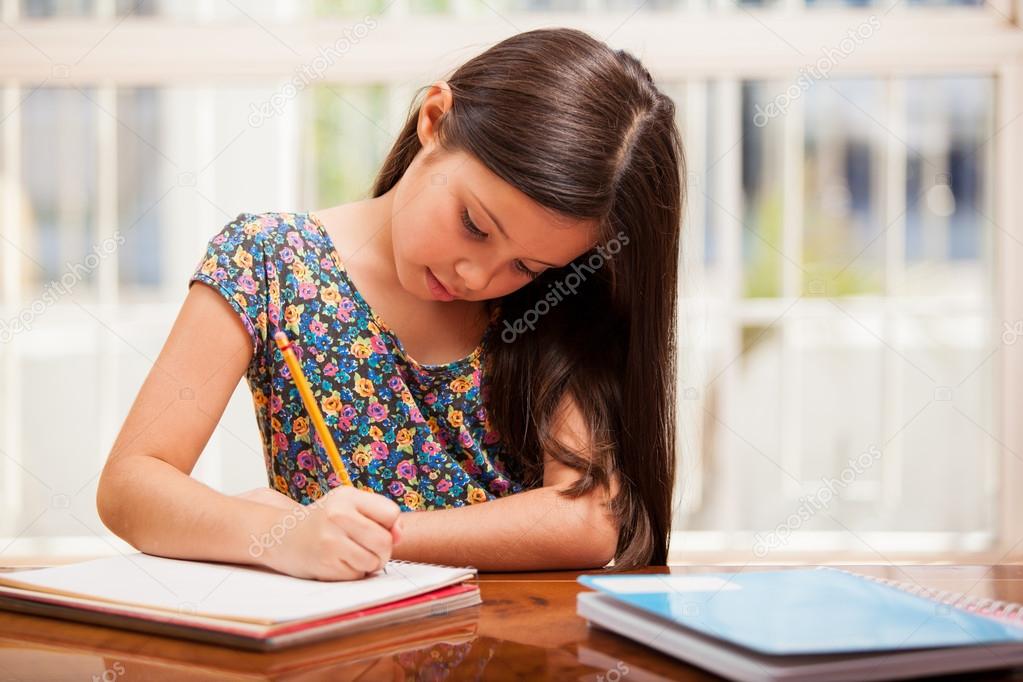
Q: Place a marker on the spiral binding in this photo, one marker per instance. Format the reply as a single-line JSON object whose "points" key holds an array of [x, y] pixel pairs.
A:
{"points": [[424, 563], [995, 608]]}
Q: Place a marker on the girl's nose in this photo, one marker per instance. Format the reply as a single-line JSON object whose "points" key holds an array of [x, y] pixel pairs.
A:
{"points": [[475, 275]]}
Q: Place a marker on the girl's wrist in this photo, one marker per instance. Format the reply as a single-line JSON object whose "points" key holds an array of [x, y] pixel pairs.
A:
{"points": [[265, 526]]}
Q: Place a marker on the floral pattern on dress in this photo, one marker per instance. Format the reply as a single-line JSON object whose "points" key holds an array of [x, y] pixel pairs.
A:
{"points": [[416, 433]]}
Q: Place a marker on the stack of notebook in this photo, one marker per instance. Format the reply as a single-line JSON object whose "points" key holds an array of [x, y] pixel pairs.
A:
{"points": [[234, 605], [806, 624]]}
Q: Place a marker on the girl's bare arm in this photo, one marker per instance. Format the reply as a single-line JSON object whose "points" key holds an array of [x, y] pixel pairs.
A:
{"points": [[533, 530], [146, 494]]}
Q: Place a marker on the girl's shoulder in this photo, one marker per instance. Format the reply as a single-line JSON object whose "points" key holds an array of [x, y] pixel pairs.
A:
{"points": [[272, 225], [273, 235]]}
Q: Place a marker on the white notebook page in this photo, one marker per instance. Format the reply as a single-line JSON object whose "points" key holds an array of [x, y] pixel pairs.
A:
{"points": [[232, 591]]}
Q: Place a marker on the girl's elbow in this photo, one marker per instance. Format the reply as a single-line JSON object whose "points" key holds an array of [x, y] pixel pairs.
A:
{"points": [[600, 543], [106, 507], [109, 502]]}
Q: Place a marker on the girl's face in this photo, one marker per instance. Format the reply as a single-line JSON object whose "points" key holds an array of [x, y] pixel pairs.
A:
{"points": [[461, 232]]}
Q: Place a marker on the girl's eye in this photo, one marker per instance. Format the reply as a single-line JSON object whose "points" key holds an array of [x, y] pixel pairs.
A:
{"points": [[471, 228], [526, 271]]}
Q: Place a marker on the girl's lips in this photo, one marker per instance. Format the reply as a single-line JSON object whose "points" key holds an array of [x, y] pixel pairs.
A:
{"points": [[437, 288]]}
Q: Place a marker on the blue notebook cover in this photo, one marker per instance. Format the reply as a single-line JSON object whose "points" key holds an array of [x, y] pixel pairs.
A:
{"points": [[804, 611]]}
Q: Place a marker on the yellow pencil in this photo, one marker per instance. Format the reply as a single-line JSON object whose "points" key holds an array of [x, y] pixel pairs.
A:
{"points": [[310, 405]]}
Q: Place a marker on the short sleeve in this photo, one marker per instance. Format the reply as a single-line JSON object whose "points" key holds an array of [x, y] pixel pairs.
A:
{"points": [[235, 265]]}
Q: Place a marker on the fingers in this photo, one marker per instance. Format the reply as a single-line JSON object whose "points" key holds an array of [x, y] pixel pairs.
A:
{"points": [[340, 570], [377, 507], [369, 524], [369, 536], [371, 505]]}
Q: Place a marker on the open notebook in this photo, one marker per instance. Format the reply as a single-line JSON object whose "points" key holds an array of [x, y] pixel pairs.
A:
{"points": [[806, 624], [233, 604]]}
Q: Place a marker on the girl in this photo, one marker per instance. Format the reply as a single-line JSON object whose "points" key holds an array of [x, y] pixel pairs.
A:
{"points": [[490, 338]]}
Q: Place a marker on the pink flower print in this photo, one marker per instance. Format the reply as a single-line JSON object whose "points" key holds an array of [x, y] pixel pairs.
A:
{"points": [[443, 486], [281, 442], [347, 304], [332, 480], [430, 398], [307, 290], [317, 328], [295, 240], [396, 488], [220, 274], [267, 221], [379, 449], [406, 470], [343, 315], [247, 284], [499, 485], [394, 383], [298, 479], [271, 271], [377, 344], [430, 447], [330, 369], [326, 265], [275, 404], [476, 377], [377, 411], [465, 438], [306, 460], [287, 255], [220, 239], [416, 415]]}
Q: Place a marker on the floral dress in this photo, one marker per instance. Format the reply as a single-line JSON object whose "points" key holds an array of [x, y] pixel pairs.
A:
{"points": [[415, 433]]}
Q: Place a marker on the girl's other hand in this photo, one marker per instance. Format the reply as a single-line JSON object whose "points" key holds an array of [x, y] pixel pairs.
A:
{"points": [[268, 496], [344, 535]]}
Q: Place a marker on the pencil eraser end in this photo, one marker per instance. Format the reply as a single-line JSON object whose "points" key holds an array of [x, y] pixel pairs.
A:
{"points": [[282, 339]]}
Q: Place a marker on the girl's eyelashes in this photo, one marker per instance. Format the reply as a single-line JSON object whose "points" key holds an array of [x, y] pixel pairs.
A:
{"points": [[477, 233], [526, 271], [471, 226]]}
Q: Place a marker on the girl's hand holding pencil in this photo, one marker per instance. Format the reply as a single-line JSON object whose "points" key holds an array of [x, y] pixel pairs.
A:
{"points": [[343, 535]]}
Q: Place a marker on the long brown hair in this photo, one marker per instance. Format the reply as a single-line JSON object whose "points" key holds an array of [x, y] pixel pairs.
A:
{"points": [[582, 130]]}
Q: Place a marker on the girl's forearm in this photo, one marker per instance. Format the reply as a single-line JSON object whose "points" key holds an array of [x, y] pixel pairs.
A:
{"points": [[161, 510], [533, 530]]}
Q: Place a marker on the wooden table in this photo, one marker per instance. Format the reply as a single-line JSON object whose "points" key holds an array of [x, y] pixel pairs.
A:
{"points": [[525, 629]]}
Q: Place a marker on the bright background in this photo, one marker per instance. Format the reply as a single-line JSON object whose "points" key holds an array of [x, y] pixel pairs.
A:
{"points": [[850, 248]]}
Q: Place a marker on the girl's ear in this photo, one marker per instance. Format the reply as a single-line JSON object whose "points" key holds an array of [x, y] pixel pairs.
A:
{"points": [[436, 103]]}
